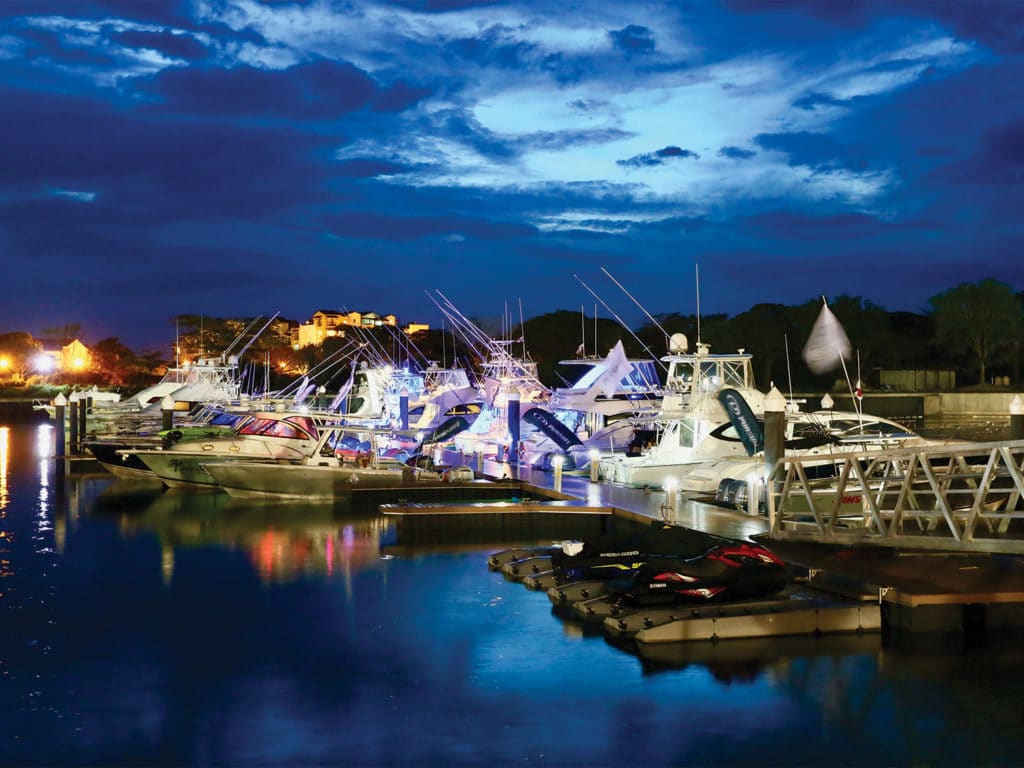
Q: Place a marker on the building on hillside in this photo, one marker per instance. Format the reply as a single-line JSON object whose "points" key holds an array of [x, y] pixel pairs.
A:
{"points": [[325, 324], [70, 357]]}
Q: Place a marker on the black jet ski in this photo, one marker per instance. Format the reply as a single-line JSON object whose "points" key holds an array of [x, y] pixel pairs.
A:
{"points": [[736, 571], [619, 556]]}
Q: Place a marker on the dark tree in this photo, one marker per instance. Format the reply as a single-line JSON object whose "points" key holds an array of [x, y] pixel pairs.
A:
{"points": [[979, 321]]}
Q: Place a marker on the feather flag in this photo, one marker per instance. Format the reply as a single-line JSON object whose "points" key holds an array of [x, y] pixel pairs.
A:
{"points": [[827, 345]]}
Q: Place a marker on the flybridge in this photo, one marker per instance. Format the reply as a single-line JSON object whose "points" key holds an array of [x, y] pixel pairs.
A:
{"points": [[702, 371]]}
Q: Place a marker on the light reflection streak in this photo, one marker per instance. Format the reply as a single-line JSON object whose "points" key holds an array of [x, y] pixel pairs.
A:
{"points": [[5, 448]]}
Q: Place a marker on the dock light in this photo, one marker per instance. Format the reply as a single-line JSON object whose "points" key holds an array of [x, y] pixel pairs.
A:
{"points": [[556, 463], [826, 402], [78, 364], [594, 467], [5, 363]]}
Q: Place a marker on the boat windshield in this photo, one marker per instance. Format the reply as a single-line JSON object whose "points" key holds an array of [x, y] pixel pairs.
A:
{"points": [[853, 428], [687, 432], [302, 429]]}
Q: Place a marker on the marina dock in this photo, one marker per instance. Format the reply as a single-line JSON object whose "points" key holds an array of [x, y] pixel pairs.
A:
{"points": [[866, 588]]}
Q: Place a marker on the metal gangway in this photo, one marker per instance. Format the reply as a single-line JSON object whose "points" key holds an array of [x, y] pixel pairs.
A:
{"points": [[959, 497]]}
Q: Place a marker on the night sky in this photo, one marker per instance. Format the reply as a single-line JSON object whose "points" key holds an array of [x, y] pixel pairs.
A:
{"points": [[234, 158]]}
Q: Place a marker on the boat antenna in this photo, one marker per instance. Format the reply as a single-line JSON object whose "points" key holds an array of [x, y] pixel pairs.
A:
{"points": [[789, 369], [648, 314], [444, 347], [596, 352], [583, 329], [522, 329], [630, 330], [696, 270]]}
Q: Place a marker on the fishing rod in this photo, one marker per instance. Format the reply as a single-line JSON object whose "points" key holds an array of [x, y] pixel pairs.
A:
{"points": [[648, 314], [623, 324]]}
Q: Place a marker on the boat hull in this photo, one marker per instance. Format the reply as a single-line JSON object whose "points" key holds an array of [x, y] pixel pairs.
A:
{"points": [[301, 481]]}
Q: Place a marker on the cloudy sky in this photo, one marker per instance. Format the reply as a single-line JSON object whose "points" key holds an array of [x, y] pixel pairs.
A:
{"points": [[238, 158]]}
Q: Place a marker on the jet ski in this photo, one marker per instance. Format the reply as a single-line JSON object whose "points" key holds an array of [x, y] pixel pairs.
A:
{"points": [[736, 571], [619, 557]]}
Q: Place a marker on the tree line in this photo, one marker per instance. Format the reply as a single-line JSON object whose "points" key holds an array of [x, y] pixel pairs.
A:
{"points": [[973, 329]]}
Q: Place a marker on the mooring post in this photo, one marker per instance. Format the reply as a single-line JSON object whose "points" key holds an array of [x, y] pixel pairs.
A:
{"points": [[73, 424], [1017, 418], [774, 445], [83, 412], [513, 427], [60, 441], [167, 413]]}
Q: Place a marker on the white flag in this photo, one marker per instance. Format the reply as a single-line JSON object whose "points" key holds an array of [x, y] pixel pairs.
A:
{"points": [[827, 345]]}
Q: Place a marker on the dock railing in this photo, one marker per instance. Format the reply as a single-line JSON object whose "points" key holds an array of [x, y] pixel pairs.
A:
{"points": [[961, 497]]}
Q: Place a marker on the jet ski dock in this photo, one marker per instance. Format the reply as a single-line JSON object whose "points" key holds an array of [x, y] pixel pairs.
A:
{"points": [[839, 588]]}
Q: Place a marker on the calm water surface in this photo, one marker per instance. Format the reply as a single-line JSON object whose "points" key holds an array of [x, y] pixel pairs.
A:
{"points": [[142, 627]]}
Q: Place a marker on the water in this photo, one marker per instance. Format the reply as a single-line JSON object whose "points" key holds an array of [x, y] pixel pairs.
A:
{"points": [[141, 627]]}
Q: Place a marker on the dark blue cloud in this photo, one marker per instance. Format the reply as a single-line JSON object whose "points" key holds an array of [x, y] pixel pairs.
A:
{"points": [[658, 157], [399, 96], [442, 6], [995, 23], [153, 168], [368, 168], [736, 153], [818, 151], [320, 90], [633, 39], [999, 160], [166, 12], [793, 225], [375, 225]]}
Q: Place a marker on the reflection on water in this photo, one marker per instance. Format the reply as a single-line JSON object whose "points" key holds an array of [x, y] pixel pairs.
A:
{"points": [[283, 541], [983, 429], [191, 629], [5, 448]]}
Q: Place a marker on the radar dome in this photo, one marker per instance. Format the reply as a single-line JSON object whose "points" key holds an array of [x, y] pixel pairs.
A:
{"points": [[677, 343]]}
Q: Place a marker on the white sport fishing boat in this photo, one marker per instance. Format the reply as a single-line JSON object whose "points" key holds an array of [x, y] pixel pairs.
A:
{"points": [[268, 437], [343, 458], [602, 408], [692, 426], [699, 445]]}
